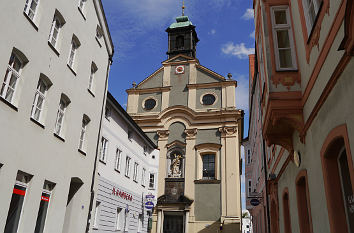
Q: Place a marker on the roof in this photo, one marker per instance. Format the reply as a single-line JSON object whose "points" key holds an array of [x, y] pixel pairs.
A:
{"points": [[130, 120], [181, 21]]}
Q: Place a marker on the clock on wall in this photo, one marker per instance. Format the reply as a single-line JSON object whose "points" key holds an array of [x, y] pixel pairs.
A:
{"points": [[179, 69]]}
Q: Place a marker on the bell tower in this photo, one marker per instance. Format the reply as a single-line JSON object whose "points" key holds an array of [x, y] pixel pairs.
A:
{"points": [[182, 37]]}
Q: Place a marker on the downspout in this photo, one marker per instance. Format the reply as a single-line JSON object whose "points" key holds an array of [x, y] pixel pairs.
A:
{"points": [[110, 61]]}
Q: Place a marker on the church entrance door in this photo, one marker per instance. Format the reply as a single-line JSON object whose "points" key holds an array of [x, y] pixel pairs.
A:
{"points": [[173, 223]]}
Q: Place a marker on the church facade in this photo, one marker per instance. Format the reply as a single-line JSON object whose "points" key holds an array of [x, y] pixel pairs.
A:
{"points": [[189, 111]]}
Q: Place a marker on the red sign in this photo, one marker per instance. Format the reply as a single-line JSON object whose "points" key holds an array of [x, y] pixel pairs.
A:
{"points": [[19, 192], [122, 194], [43, 198]]}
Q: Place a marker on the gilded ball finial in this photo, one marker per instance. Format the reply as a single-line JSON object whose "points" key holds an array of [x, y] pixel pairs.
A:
{"points": [[183, 7]]}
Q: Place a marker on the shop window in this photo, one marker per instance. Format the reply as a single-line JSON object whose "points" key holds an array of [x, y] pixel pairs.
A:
{"points": [[208, 166], [16, 204], [43, 206], [140, 226], [119, 219], [97, 212], [303, 203]]}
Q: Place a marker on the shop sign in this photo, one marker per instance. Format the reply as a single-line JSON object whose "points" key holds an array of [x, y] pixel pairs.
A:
{"points": [[149, 205], [149, 196], [254, 202], [122, 194]]}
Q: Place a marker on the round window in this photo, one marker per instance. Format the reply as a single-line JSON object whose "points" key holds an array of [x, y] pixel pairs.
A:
{"points": [[149, 104], [208, 99]]}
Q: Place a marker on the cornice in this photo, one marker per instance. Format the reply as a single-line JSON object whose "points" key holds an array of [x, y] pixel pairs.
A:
{"points": [[211, 72], [213, 84], [148, 90], [190, 133], [151, 75], [214, 146]]}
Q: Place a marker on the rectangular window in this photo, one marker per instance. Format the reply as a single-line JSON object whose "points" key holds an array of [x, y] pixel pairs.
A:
{"points": [[97, 213], [249, 187], [103, 150], [118, 159], [54, 32], [84, 124], [72, 54], [60, 116], [283, 38], [119, 219], [39, 98], [130, 134], [248, 157], [152, 181], [143, 173], [43, 206], [127, 166], [311, 9], [92, 76], [303, 204], [31, 8], [135, 175], [16, 204], [107, 113], [11, 77], [208, 167]]}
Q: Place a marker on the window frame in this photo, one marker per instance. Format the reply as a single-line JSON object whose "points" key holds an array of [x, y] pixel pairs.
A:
{"points": [[306, 8], [62, 111], [75, 44], [56, 25], [153, 181], [27, 10], [143, 174], [118, 159], [136, 171], [127, 166], [289, 28], [208, 177], [119, 218], [104, 149], [83, 133], [38, 95]]}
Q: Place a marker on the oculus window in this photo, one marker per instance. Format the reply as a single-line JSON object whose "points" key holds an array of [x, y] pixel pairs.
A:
{"points": [[208, 99], [149, 104]]}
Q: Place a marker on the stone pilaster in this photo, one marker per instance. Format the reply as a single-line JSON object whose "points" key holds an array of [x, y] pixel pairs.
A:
{"points": [[163, 137]]}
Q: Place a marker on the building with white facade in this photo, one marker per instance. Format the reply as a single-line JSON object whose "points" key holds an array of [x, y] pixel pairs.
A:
{"points": [[55, 57], [247, 224], [127, 173]]}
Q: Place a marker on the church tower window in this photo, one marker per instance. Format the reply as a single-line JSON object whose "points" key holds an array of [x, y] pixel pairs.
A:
{"points": [[180, 42]]}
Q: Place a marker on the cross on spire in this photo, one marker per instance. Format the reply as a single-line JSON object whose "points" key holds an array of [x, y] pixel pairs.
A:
{"points": [[183, 8]]}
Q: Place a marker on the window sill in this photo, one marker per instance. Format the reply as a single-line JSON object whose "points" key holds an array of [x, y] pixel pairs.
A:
{"points": [[59, 137], [9, 104], [151, 188], [207, 181], [127, 176], [82, 13], [143, 185], [135, 181], [116, 170], [72, 70], [90, 92], [37, 123], [102, 161], [31, 21], [54, 49], [98, 41], [81, 151]]}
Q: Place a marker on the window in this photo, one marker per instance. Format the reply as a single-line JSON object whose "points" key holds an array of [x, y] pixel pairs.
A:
{"points": [[208, 167], [31, 8], [145, 148], [127, 166], [11, 78], [249, 188], [75, 44], [54, 32], [248, 157], [97, 210], [107, 113], [99, 35], [82, 4], [103, 150], [136, 166], [118, 159], [85, 121], [303, 203], [63, 104], [143, 177], [180, 42], [16, 204], [140, 226], [130, 134], [283, 38], [152, 181], [208, 99], [286, 213], [119, 219], [38, 103], [311, 9], [92, 77], [43, 206], [149, 104]]}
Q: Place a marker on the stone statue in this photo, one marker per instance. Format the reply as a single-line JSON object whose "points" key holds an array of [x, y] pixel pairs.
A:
{"points": [[175, 167]]}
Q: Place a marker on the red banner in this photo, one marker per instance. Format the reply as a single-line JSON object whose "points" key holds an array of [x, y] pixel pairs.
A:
{"points": [[19, 192]]}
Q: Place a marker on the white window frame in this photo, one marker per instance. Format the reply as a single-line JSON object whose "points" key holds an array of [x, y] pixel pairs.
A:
{"points": [[119, 218], [104, 150], [118, 159], [154, 181], [92, 77], [9, 75], [60, 117], [72, 54], [127, 166], [275, 28], [309, 23], [135, 174], [82, 140], [97, 210], [143, 173], [39, 95], [31, 13], [56, 25]]}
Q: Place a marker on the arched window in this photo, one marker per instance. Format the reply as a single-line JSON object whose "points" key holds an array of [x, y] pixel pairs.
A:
{"points": [[38, 106], [286, 212], [303, 203], [57, 24], [180, 42]]}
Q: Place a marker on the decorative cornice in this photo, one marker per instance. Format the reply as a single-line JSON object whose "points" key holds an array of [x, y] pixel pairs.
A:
{"points": [[163, 134], [190, 133], [176, 143], [213, 146], [213, 84], [148, 90], [189, 60], [228, 131]]}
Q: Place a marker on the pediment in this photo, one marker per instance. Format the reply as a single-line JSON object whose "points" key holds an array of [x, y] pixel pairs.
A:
{"points": [[180, 58], [153, 80]]}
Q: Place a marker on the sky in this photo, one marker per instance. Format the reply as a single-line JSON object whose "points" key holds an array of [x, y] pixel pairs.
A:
{"points": [[225, 29]]}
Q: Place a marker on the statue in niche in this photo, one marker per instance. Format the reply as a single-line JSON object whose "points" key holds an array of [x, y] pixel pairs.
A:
{"points": [[175, 167]]}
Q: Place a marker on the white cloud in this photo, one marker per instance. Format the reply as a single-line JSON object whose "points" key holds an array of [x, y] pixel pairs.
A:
{"points": [[249, 14], [253, 34], [212, 32], [238, 50]]}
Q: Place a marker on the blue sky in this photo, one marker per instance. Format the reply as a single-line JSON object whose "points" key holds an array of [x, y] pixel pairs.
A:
{"points": [[225, 29]]}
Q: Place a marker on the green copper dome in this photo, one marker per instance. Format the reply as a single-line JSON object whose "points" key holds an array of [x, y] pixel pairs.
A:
{"points": [[181, 21]]}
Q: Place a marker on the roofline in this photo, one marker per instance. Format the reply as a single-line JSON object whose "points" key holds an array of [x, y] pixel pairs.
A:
{"points": [[130, 120]]}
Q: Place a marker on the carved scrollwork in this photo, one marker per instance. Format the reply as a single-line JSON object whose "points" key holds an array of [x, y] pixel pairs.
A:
{"points": [[228, 131], [163, 134], [190, 133]]}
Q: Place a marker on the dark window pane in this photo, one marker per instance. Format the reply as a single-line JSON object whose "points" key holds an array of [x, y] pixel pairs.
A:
{"points": [[208, 166], [13, 216], [208, 99], [149, 104], [42, 213]]}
